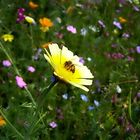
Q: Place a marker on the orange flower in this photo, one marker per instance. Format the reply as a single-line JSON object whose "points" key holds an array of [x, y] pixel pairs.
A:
{"points": [[33, 5], [122, 20], [45, 22], [46, 45], [2, 121]]}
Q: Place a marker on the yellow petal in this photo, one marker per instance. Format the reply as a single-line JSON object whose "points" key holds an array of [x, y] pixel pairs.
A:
{"points": [[79, 86], [55, 53], [49, 58], [82, 81], [66, 55], [54, 49], [83, 72], [29, 20]]}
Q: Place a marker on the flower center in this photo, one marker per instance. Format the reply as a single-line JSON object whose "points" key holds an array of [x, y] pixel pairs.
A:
{"points": [[69, 66]]}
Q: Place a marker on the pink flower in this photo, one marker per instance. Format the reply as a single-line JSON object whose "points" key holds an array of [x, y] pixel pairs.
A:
{"points": [[53, 124], [20, 82], [31, 69], [6, 63], [71, 29]]}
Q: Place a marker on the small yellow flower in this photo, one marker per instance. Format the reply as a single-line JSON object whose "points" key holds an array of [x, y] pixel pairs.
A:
{"points": [[7, 37], [122, 20], [67, 67], [33, 5], [44, 29], [46, 23], [30, 20], [2, 121]]}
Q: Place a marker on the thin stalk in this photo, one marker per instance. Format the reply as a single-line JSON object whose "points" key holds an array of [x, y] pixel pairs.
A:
{"points": [[40, 119], [47, 90], [10, 58], [10, 124], [31, 97], [31, 32]]}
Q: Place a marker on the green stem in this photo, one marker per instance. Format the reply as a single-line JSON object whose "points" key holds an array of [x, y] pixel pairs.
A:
{"points": [[17, 72], [41, 117], [31, 32], [10, 58], [10, 124], [47, 90], [31, 97]]}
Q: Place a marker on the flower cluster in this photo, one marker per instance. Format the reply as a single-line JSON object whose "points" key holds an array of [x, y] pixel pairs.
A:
{"points": [[20, 15]]}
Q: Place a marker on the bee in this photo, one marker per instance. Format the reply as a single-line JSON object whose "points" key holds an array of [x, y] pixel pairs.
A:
{"points": [[69, 66]]}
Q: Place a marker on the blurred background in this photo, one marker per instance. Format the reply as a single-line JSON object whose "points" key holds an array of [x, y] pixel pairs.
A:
{"points": [[105, 34]]}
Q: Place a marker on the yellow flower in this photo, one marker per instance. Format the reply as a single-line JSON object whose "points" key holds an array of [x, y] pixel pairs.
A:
{"points": [[7, 37], [45, 24], [30, 20], [2, 121], [33, 5], [67, 67]]}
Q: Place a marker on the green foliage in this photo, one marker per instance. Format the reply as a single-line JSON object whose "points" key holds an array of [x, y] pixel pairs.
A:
{"points": [[107, 114]]}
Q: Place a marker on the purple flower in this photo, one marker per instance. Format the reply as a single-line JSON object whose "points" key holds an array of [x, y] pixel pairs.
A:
{"points": [[81, 60], [31, 69], [53, 124], [138, 49], [117, 55], [20, 15], [136, 8], [125, 35], [20, 82], [84, 97], [129, 58], [6, 63], [117, 24], [21, 10], [71, 29], [101, 23]]}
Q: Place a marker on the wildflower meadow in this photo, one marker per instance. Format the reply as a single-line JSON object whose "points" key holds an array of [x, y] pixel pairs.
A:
{"points": [[69, 70]]}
